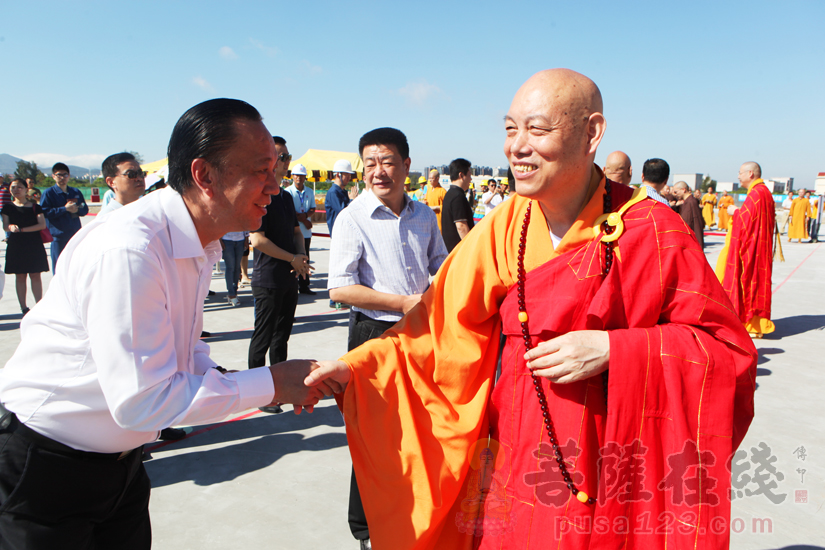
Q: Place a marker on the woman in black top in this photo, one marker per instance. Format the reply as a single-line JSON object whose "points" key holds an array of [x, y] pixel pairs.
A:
{"points": [[25, 254]]}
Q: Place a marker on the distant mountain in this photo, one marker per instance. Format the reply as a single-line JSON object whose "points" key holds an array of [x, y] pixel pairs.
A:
{"points": [[8, 164]]}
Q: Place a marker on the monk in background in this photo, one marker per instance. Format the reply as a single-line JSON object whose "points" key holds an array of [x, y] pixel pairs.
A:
{"points": [[708, 203], [798, 218], [745, 265], [583, 277], [617, 167], [435, 195], [724, 219]]}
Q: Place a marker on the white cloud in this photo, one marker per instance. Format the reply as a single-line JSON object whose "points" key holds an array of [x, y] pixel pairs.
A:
{"points": [[419, 92], [310, 68], [268, 50], [227, 53], [202, 83], [46, 160]]}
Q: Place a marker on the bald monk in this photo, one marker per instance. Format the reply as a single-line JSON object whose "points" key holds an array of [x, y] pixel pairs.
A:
{"points": [[689, 211], [617, 167], [707, 203], [724, 219], [635, 299], [435, 194], [800, 212], [745, 264]]}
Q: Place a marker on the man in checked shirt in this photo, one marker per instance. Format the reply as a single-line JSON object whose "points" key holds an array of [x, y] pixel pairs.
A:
{"points": [[384, 250]]}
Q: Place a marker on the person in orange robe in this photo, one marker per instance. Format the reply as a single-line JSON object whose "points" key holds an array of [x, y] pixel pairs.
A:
{"points": [[707, 203], [745, 264], [800, 212], [724, 219], [435, 195], [423, 403]]}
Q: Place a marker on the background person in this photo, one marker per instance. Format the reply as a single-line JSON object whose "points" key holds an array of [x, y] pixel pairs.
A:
{"points": [[25, 255], [125, 178], [303, 199], [63, 207]]}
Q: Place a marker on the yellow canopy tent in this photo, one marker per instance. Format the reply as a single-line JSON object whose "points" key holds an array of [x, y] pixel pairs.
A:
{"points": [[319, 164], [161, 167]]}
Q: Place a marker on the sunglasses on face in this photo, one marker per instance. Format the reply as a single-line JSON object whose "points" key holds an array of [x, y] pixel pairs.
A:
{"points": [[61, 175], [284, 157], [134, 174]]}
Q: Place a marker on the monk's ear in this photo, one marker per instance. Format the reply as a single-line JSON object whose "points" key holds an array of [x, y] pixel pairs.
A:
{"points": [[204, 176], [596, 125], [630, 171]]}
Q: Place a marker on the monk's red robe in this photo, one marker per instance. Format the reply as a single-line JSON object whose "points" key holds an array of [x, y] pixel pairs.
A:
{"points": [[748, 259], [420, 407]]}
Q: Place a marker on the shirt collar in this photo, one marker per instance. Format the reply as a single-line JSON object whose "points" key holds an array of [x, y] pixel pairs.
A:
{"points": [[373, 203], [184, 237]]}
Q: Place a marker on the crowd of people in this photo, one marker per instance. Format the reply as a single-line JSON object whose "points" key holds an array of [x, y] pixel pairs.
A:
{"points": [[490, 367]]}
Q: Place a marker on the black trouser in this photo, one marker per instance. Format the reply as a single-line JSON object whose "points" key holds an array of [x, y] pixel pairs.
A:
{"points": [[303, 283], [274, 315], [52, 496], [361, 329]]}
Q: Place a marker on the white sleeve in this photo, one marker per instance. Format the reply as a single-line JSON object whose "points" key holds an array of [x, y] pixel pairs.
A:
{"points": [[146, 385]]}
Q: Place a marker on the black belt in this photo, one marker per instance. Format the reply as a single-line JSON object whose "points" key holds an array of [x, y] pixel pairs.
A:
{"points": [[11, 424], [367, 320]]}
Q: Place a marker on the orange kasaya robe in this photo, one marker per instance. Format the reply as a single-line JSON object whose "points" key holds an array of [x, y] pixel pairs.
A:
{"points": [[448, 458], [724, 218], [708, 202], [435, 197], [745, 264], [798, 221]]}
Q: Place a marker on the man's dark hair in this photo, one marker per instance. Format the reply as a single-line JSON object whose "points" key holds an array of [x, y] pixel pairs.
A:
{"points": [[109, 167], [655, 171], [279, 140], [205, 131], [60, 166], [385, 136], [458, 167]]}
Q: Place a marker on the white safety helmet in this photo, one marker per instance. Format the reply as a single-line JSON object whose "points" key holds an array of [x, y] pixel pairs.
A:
{"points": [[299, 170], [343, 165]]}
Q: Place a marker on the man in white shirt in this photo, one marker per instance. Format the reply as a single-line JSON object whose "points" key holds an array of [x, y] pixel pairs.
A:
{"points": [[112, 355], [492, 197], [125, 179]]}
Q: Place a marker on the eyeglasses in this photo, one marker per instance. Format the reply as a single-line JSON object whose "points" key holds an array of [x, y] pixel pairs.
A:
{"points": [[134, 174], [285, 157], [61, 174]]}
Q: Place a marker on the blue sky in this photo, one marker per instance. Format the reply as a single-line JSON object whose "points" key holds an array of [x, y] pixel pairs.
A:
{"points": [[704, 85]]}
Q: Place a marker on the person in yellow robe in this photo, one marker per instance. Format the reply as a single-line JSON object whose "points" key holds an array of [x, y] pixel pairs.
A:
{"points": [[800, 212], [707, 203], [435, 195], [724, 219]]}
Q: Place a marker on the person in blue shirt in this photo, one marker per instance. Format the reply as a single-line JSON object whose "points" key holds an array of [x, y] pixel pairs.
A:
{"points": [[337, 197], [63, 206]]}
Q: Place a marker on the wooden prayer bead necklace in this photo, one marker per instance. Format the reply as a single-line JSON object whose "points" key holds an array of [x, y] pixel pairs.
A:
{"points": [[525, 333]]}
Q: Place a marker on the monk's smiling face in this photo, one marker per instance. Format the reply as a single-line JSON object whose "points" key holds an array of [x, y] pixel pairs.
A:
{"points": [[554, 126]]}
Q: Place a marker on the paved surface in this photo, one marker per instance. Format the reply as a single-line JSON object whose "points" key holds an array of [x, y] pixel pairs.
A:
{"points": [[282, 481]]}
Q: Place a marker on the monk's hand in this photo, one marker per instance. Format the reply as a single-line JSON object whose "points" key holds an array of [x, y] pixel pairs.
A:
{"points": [[334, 375], [571, 357], [288, 379]]}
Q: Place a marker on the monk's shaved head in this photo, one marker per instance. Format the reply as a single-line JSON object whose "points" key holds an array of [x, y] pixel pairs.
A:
{"points": [[575, 95], [753, 167], [617, 167], [681, 185]]}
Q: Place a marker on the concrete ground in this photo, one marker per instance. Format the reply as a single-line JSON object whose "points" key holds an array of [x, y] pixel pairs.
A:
{"points": [[282, 481]]}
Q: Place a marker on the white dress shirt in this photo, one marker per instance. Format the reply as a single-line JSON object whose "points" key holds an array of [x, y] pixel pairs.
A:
{"points": [[388, 253], [112, 355]]}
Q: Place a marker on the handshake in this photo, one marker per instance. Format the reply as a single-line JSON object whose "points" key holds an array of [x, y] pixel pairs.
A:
{"points": [[304, 382]]}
